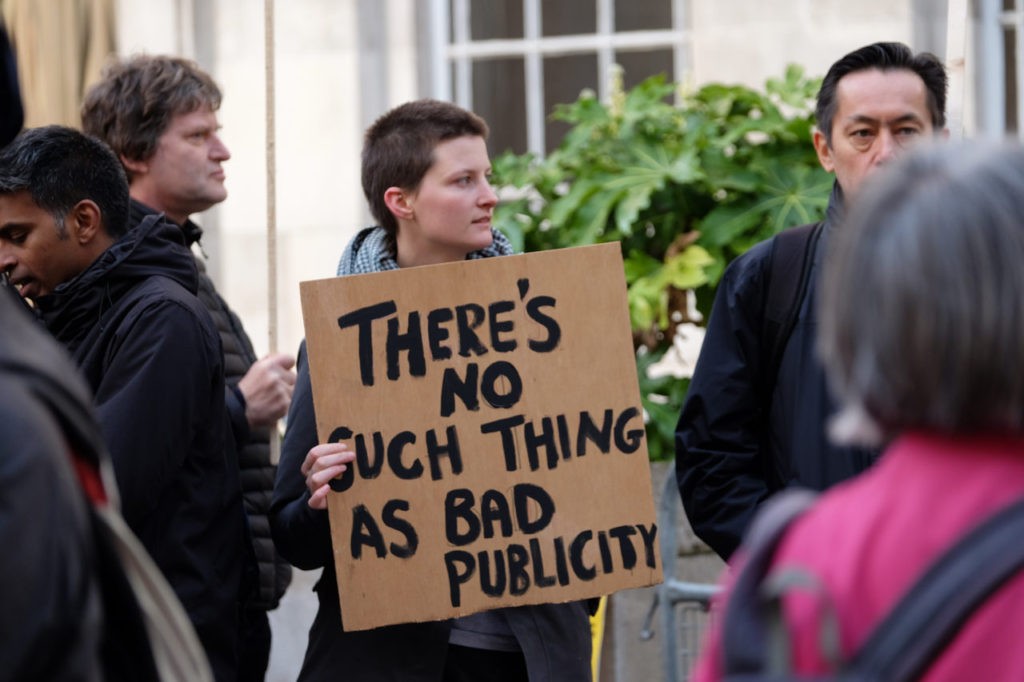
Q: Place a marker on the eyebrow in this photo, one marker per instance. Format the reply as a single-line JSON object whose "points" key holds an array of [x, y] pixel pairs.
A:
{"points": [[908, 117], [468, 170]]}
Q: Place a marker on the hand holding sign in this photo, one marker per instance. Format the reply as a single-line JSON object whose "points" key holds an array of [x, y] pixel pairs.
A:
{"points": [[323, 463]]}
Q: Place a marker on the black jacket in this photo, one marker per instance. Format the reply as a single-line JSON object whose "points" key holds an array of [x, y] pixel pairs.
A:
{"points": [[555, 638], [251, 446], [152, 357], [732, 451]]}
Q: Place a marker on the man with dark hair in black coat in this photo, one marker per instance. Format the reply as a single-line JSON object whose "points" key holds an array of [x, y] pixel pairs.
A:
{"points": [[755, 418], [123, 304]]}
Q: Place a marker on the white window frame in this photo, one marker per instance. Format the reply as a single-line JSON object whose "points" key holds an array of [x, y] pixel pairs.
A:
{"points": [[990, 74], [460, 50]]}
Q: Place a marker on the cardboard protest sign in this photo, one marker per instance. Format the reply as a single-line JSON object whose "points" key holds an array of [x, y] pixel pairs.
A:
{"points": [[500, 453]]}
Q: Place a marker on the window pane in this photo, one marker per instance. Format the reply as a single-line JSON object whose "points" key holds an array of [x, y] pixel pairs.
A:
{"points": [[564, 78], [642, 15], [560, 18], [495, 19], [499, 96], [638, 66]]}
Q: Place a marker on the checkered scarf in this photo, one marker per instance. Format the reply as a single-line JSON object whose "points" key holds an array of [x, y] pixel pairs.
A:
{"points": [[368, 252]]}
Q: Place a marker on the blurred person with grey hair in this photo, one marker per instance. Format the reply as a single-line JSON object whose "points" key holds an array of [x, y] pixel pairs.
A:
{"points": [[924, 356]]}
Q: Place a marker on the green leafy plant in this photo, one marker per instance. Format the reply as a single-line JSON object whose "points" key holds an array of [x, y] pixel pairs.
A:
{"points": [[684, 188]]}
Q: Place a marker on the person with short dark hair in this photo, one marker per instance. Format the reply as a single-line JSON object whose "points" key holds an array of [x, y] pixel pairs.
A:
{"points": [[936, 246], [426, 177], [159, 115], [122, 302], [751, 427]]}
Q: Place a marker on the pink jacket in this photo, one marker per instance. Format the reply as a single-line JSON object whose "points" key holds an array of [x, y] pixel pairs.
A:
{"points": [[869, 538]]}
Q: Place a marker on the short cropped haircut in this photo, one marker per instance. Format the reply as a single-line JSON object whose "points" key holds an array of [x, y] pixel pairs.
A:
{"points": [[884, 57], [133, 103], [398, 149], [922, 306], [60, 167]]}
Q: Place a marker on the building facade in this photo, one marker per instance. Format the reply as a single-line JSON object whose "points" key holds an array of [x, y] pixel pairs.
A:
{"points": [[338, 64]]}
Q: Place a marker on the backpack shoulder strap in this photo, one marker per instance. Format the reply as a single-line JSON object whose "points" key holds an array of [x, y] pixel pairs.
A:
{"points": [[149, 635], [789, 273], [929, 615], [745, 626]]}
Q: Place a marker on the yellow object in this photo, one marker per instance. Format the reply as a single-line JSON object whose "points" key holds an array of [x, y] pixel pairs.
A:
{"points": [[597, 637]]}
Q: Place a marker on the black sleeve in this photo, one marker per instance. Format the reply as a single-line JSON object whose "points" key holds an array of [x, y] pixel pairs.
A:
{"points": [[302, 535], [152, 399], [234, 402], [720, 463]]}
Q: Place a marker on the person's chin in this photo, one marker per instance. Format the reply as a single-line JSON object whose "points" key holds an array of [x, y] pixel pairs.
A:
{"points": [[485, 240]]}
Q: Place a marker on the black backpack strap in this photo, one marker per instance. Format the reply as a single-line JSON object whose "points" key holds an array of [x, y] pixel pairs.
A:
{"points": [[930, 614], [746, 623], [789, 273]]}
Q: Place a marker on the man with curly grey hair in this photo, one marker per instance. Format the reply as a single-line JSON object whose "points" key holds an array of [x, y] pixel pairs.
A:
{"points": [[159, 115]]}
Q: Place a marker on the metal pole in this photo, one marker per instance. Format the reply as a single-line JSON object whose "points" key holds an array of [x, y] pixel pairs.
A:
{"points": [[956, 65], [271, 142], [991, 78]]}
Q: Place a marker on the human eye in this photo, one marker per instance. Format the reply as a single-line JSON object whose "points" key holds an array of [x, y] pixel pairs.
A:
{"points": [[14, 236]]}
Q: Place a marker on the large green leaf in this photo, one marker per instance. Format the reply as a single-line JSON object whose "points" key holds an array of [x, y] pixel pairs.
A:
{"points": [[727, 222], [563, 208], [794, 194]]}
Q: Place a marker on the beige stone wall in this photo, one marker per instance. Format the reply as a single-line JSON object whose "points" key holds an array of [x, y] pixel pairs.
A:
{"points": [[746, 41], [318, 135]]}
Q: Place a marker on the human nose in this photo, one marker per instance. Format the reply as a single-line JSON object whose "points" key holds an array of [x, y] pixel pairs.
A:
{"points": [[7, 260], [888, 147], [219, 150], [488, 197]]}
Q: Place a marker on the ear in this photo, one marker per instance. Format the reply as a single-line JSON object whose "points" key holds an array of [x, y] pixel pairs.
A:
{"points": [[824, 153], [134, 166], [84, 223], [398, 202]]}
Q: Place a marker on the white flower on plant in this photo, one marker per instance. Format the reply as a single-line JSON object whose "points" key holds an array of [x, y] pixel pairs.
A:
{"points": [[680, 359], [756, 137]]}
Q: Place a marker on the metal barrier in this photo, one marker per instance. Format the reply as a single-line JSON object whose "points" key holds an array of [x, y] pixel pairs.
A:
{"points": [[682, 606]]}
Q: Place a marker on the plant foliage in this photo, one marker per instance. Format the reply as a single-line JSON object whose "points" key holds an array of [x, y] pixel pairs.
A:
{"points": [[683, 187]]}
